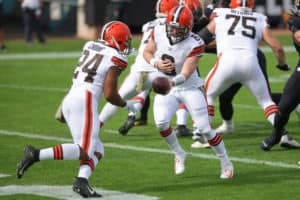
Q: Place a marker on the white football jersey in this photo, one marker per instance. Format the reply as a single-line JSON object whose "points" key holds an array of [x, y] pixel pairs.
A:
{"points": [[93, 65], [238, 29], [193, 45], [140, 63]]}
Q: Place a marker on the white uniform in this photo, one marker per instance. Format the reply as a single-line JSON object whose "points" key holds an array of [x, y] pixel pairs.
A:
{"points": [[189, 92], [238, 33], [80, 106], [139, 80]]}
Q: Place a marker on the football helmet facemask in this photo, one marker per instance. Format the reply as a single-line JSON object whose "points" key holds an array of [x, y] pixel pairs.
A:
{"points": [[117, 34], [242, 3], [164, 6], [179, 24]]}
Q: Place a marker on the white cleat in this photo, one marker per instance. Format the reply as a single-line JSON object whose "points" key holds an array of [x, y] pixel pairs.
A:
{"points": [[227, 171], [288, 142], [179, 163], [226, 127], [198, 145]]}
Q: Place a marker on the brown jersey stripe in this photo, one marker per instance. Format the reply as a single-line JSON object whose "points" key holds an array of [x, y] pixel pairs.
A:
{"points": [[88, 122], [118, 62], [197, 51], [213, 72]]}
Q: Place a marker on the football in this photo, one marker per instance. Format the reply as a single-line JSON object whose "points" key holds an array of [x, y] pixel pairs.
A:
{"points": [[161, 85]]}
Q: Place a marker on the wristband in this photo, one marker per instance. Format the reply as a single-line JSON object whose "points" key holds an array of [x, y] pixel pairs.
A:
{"points": [[153, 62], [178, 79]]}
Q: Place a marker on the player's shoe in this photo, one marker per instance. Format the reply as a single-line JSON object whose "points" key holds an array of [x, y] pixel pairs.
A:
{"points": [[183, 131], [179, 166], [82, 187], [227, 171], [269, 142], [288, 142], [200, 142], [140, 122], [128, 124], [31, 155], [226, 127]]}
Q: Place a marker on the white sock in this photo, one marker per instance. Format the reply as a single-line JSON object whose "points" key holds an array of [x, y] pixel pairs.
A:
{"points": [[173, 143], [60, 152]]}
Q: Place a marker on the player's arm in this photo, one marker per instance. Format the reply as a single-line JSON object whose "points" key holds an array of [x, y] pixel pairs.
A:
{"points": [[275, 46], [297, 37], [111, 87]]}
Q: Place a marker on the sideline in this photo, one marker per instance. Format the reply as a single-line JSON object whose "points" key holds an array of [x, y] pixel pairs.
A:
{"points": [[154, 150]]}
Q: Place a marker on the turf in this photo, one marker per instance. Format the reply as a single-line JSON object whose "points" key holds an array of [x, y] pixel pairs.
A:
{"points": [[139, 163]]}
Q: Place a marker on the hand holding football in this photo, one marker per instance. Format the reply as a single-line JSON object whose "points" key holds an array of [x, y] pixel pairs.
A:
{"points": [[161, 85]]}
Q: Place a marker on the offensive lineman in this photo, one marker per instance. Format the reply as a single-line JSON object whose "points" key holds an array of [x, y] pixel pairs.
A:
{"points": [[238, 32]]}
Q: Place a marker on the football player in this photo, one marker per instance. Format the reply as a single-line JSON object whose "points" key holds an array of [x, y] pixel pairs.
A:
{"points": [[183, 48], [238, 32], [291, 93], [96, 74]]}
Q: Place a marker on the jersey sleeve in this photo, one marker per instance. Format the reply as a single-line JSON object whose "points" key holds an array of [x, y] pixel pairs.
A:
{"points": [[119, 62]]}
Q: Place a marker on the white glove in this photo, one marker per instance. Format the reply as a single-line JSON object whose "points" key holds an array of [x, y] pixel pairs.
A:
{"points": [[130, 106]]}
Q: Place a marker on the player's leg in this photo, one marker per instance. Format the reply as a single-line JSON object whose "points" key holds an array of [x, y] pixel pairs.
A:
{"points": [[129, 123], [289, 101], [126, 91], [199, 113], [142, 120], [226, 108], [181, 117], [220, 78], [164, 107]]}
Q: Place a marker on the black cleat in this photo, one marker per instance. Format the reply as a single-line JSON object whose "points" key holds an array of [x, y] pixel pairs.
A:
{"points": [[31, 155], [127, 125], [82, 187], [183, 131], [269, 142]]}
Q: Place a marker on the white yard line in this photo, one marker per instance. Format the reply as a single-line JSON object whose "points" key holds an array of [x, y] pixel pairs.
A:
{"points": [[65, 192], [76, 54], [153, 150]]}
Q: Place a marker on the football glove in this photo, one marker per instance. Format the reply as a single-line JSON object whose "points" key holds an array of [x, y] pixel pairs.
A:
{"points": [[283, 67]]}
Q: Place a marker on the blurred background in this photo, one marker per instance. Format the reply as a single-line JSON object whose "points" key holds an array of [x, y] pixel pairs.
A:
{"points": [[83, 18]]}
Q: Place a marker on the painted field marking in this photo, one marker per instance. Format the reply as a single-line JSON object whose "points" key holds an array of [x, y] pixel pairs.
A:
{"points": [[153, 150], [4, 175], [76, 54], [66, 193]]}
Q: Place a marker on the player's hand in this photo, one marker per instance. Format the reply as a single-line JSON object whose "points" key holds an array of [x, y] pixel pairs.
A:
{"points": [[130, 106], [283, 67], [166, 66]]}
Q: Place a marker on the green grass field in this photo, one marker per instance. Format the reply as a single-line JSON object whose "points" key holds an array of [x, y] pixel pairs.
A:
{"points": [[139, 165]]}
